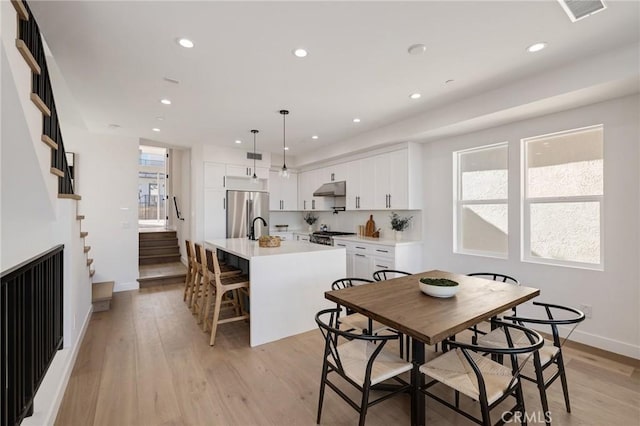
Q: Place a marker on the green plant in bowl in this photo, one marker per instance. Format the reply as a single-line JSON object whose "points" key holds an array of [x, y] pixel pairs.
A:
{"points": [[440, 282], [438, 287]]}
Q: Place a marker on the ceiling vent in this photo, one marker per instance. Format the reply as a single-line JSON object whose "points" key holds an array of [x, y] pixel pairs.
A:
{"points": [[578, 9], [252, 155]]}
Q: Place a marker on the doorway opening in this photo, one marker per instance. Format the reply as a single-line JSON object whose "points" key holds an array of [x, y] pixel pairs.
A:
{"points": [[152, 187]]}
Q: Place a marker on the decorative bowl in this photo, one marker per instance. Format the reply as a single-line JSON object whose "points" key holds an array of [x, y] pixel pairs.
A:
{"points": [[438, 287], [269, 241]]}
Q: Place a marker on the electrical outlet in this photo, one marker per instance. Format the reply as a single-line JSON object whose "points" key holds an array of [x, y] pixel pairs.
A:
{"points": [[587, 309]]}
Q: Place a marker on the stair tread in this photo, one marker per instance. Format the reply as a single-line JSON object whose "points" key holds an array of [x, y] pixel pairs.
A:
{"points": [[80, 217], [92, 272], [155, 277], [87, 248], [102, 291], [89, 262], [83, 234], [151, 256]]}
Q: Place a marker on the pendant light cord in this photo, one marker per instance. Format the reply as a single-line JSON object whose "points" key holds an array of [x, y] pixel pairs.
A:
{"points": [[254, 153], [284, 171]]}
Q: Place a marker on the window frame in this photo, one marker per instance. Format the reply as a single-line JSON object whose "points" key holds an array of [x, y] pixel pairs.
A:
{"points": [[526, 203], [459, 203]]}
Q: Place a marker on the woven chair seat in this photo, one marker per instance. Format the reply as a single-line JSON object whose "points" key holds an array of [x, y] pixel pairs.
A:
{"points": [[453, 369], [355, 354], [497, 339]]}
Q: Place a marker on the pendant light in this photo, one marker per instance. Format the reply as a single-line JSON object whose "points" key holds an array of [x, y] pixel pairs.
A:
{"points": [[284, 172], [254, 178]]}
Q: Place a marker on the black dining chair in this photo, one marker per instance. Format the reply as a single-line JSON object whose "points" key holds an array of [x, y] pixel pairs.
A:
{"points": [[387, 274], [362, 361], [494, 277], [466, 370], [550, 354], [353, 320]]}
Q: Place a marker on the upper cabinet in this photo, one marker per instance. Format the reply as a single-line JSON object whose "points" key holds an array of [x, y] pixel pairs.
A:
{"points": [[214, 175], [247, 171], [391, 182], [308, 183], [360, 184], [283, 192]]}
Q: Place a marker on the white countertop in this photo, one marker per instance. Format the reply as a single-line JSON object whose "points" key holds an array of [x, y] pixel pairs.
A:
{"points": [[381, 241], [247, 249]]}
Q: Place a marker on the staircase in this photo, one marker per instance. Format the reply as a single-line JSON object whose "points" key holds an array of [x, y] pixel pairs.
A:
{"points": [[29, 44], [159, 259], [158, 247]]}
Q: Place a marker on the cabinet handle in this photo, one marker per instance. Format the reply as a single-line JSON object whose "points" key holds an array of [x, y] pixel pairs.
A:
{"points": [[382, 251], [361, 248], [341, 245], [224, 203], [304, 204], [382, 266], [313, 204], [333, 177], [389, 200], [360, 255], [224, 181]]}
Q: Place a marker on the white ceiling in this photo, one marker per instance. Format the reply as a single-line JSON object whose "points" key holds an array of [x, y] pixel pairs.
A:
{"points": [[114, 57]]}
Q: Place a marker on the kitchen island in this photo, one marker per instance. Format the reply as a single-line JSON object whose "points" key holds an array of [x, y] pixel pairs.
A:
{"points": [[287, 284]]}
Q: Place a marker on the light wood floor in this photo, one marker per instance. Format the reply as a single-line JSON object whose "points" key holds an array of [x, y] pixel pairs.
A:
{"points": [[146, 362]]}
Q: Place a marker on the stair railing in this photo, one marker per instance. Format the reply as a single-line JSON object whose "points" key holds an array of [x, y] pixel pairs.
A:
{"points": [[29, 32]]}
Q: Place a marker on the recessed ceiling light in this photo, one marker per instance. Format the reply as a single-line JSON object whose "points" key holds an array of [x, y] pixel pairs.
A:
{"points": [[300, 53], [165, 101], [536, 47], [356, 120], [415, 96], [286, 148], [417, 49], [155, 129], [238, 141], [314, 137], [185, 42]]}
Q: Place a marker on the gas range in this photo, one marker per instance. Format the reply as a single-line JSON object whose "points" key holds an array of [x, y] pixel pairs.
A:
{"points": [[326, 237]]}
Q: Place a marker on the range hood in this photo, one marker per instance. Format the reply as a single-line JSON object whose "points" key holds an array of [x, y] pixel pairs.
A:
{"points": [[332, 189]]}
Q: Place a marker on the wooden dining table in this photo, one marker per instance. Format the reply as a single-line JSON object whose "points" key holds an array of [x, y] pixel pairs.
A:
{"points": [[400, 304]]}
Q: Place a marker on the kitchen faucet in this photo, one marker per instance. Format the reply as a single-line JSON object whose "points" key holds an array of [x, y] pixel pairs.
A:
{"points": [[252, 231]]}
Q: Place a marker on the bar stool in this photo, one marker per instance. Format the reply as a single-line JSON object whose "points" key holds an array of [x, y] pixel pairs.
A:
{"points": [[188, 282], [200, 287], [219, 287]]}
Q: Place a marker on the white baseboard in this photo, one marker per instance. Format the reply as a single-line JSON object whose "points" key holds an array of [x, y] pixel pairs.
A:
{"points": [[611, 345], [135, 285], [49, 396], [596, 341]]}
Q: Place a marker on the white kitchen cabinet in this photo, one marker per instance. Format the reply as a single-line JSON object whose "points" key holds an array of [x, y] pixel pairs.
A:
{"points": [[284, 236], [309, 182], [391, 180], [364, 257], [247, 171], [214, 175], [362, 266], [283, 192], [215, 218], [300, 236], [360, 184]]}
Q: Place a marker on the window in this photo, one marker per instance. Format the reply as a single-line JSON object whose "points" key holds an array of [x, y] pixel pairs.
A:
{"points": [[481, 192], [562, 200]]}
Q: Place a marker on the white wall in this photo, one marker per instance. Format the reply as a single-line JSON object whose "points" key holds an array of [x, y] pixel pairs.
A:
{"points": [[107, 167], [613, 293], [181, 188], [34, 220]]}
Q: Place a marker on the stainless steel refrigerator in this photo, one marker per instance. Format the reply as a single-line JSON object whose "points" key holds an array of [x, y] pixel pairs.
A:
{"points": [[242, 208]]}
